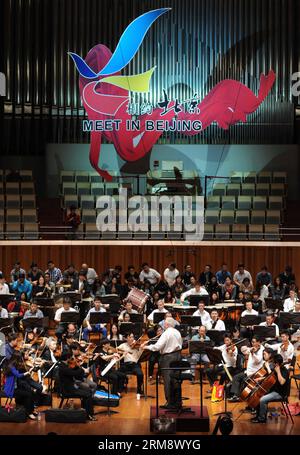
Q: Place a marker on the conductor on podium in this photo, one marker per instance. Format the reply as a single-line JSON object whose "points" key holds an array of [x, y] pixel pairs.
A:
{"points": [[169, 345]]}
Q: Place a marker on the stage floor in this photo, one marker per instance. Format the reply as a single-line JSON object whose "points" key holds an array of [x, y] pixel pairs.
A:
{"points": [[133, 417]]}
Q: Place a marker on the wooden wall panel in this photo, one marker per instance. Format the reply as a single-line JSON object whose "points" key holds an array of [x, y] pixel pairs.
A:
{"points": [[102, 257]]}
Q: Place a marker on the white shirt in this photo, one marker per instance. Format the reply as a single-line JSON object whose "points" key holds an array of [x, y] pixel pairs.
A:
{"points": [[170, 341], [249, 313], [57, 317], [219, 326], [170, 276], [4, 289], [264, 324], [132, 354], [286, 355], [193, 291], [255, 361], [91, 275], [229, 360], [239, 277], [3, 313], [289, 305], [151, 315], [93, 310], [152, 276], [204, 315]]}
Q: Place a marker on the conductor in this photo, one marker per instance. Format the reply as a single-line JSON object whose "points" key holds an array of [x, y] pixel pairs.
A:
{"points": [[169, 345]]}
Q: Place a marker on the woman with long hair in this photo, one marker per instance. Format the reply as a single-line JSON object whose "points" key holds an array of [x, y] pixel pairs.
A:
{"points": [[14, 373]]}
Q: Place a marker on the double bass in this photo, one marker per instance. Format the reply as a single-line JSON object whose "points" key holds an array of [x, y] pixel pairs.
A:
{"points": [[258, 385]]}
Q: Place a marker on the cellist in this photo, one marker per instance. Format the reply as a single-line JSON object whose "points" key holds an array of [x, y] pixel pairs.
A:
{"points": [[255, 362], [277, 392]]}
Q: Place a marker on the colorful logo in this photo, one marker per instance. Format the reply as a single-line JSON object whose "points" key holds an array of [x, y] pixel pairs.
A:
{"points": [[105, 94]]}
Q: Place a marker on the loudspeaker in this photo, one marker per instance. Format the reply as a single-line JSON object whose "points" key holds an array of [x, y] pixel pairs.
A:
{"points": [[66, 415]]}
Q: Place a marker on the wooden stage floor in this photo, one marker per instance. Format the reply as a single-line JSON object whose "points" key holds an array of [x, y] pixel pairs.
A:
{"points": [[133, 417]]}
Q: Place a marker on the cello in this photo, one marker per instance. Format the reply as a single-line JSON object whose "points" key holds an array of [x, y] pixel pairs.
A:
{"points": [[258, 385]]}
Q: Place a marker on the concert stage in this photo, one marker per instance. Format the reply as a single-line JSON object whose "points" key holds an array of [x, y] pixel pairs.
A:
{"points": [[185, 421]]}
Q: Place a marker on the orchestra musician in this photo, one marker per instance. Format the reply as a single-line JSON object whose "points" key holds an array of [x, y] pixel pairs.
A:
{"points": [[128, 309], [96, 328], [277, 392], [131, 361], [215, 323], [115, 377], [83, 382], [169, 345], [197, 357], [160, 309], [162, 323], [255, 362], [66, 308], [204, 315], [285, 348], [269, 322], [14, 373], [197, 290], [289, 303], [229, 354], [70, 373]]}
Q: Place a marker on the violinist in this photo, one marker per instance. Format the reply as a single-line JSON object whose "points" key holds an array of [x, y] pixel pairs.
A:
{"points": [[229, 354], [70, 373], [51, 354], [131, 361], [83, 383], [277, 392], [13, 372], [115, 377], [255, 362], [285, 349]]}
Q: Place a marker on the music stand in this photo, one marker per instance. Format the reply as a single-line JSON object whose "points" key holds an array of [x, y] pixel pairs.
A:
{"points": [[274, 304], [199, 347], [195, 299], [75, 297], [137, 318], [158, 317], [6, 323], [250, 320], [289, 318], [44, 301], [6, 298], [145, 356], [216, 336], [264, 331], [31, 323], [183, 329], [69, 317], [135, 328], [192, 321], [100, 317], [108, 411], [215, 357]]}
